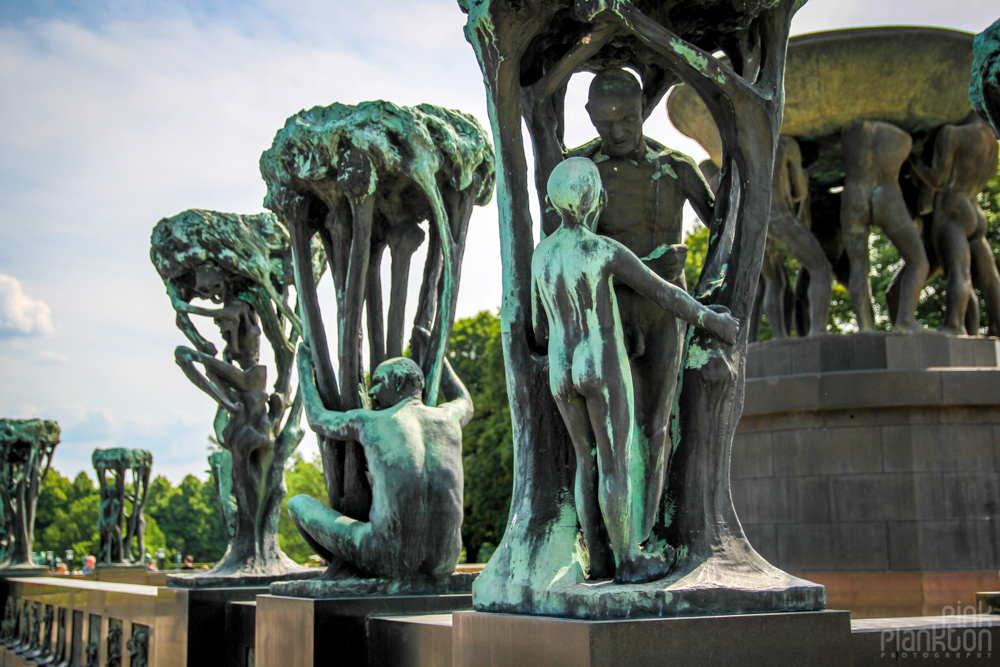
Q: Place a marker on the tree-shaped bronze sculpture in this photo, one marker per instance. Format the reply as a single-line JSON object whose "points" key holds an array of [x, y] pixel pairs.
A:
{"points": [[527, 51], [362, 178], [984, 90], [123, 481], [243, 264], [26, 448]]}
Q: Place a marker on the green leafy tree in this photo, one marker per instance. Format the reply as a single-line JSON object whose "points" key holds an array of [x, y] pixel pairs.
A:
{"points": [[188, 517], [476, 354], [301, 476]]}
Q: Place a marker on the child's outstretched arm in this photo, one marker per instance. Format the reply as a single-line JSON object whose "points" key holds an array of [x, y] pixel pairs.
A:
{"points": [[630, 270]]}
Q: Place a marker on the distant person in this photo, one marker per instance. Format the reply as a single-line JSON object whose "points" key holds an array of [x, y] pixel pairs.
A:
{"points": [[88, 565], [62, 569], [188, 562]]}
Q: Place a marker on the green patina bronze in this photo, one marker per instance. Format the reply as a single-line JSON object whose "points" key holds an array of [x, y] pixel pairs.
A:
{"points": [[984, 89], [243, 264], [123, 481], [527, 52], [221, 464], [362, 179], [575, 316], [412, 538], [26, 448]]}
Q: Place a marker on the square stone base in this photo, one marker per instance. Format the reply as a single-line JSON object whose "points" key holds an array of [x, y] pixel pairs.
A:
{"points": [[306, 632], [817, 639]]}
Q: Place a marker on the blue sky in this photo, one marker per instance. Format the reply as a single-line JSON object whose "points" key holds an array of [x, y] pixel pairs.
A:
{"points": [[115, 114]]}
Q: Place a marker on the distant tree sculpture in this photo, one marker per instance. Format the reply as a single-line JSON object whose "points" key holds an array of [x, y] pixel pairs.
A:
{"points": [[527, 51], [984, 90], [123, 480], [361, 178], [26, 448], [242, 263]]}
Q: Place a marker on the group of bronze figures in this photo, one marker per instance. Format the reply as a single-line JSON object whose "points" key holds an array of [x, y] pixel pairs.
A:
{"points": [[45, 634], [630, 485], [921, 194]]}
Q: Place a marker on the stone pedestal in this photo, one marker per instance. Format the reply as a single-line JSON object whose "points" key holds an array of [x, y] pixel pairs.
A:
{"points": [[305, 632], [865, 454], [817, 639]]}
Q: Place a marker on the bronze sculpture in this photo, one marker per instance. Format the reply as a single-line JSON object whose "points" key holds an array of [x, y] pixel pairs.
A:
{"points": [[123, 482], [26, 448], [984, 88], [964, 160], [360, 179], [576, 318], [527, 50], [243, 265], [414, 455]]}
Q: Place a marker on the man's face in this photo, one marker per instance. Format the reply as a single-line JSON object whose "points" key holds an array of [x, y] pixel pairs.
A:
{"points": [[382, 394], [618, 120], [209, 283]]}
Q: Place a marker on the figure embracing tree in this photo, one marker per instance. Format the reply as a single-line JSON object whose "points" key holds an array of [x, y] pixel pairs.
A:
{"points": [[243, 264], [361, 179], [528, 50]]}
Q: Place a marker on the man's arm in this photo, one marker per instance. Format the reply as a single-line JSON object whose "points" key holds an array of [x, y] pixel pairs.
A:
{"points": [[328, 423], [696, 188], [459, 405]]}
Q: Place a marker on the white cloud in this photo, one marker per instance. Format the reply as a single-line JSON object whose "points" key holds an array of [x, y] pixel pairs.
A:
{"points": [[50, 357], [20, 315]]}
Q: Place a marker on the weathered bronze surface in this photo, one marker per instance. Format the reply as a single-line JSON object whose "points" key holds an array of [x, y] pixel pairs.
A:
{"points": [[26, 448], [243, 264], [123, 480], [984, 90], [527, 52], [361, 179]]}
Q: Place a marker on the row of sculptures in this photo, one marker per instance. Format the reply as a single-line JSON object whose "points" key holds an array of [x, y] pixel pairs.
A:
{"points": [[630, 484], [26, 450]]}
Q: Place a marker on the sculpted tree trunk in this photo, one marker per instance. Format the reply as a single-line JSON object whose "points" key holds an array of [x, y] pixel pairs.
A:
{"points": [[26, 448], [242, 263], [526, 50]]}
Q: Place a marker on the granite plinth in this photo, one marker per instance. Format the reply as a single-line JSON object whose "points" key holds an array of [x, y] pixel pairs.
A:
{"points": [[208, 580], [306, 632], [241, 632], [870, 350], [214, 628], [871, 454], [818, 639], [926, 641], [410, 641], [457, 583]]}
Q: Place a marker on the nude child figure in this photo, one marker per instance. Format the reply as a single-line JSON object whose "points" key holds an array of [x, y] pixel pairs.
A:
{"points": [[575, 316]]}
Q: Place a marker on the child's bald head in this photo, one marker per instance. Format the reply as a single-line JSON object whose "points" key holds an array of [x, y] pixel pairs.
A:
{"points": [[575, 190]]}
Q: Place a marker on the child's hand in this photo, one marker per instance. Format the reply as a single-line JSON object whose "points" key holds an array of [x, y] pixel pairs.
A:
{"points": [[722, 324]]}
